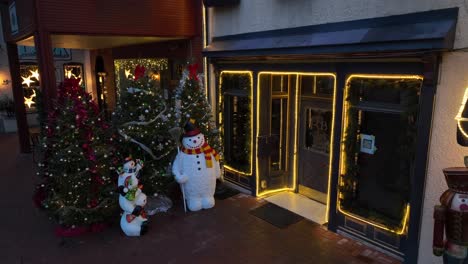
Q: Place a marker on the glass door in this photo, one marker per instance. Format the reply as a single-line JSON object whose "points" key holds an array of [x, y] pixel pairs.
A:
{"points": [[315, 131], [274, 132]]}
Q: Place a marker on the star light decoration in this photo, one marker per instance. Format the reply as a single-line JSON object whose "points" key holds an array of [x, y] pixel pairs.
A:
{"points": [[35, 74], [27, 81], [29, 100]]}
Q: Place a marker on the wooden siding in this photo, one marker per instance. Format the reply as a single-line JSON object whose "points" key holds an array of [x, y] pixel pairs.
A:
{"points": [[124, 17], [26, 19]]}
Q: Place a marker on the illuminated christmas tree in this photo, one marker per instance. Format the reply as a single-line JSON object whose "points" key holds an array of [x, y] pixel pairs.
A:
{"points": [[77, 167], [190, 102], [143, 119]]}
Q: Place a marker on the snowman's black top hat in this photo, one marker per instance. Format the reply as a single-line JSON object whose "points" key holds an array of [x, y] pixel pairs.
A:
{"points": [[191, 129]]}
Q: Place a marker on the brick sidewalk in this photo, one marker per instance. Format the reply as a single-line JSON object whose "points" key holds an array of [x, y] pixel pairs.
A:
{"points": [[226, 234]]}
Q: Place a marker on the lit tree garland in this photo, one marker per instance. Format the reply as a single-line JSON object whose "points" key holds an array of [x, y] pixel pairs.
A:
{"points": [[142, 119], [190, 101], [79, 182]]}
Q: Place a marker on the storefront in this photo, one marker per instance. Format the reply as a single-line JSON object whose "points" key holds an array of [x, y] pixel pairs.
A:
{"points": [[90, 37], [340, 113]]}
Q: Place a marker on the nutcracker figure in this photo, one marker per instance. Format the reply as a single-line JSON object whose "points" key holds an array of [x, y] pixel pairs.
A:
{"points": [[452, 216]]}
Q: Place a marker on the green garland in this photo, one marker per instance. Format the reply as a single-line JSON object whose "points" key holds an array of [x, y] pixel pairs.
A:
{"points": [[409, 94]]}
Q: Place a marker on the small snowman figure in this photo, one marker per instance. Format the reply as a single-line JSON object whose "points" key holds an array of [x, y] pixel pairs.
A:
{"points": [[128, 183], [131, 199], [452, 215], [135, 223], [196, 168]]}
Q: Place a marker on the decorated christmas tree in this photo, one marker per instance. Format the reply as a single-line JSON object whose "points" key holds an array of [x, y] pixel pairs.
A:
{"points": [[190, 102], [143, 120], [77, 167]]}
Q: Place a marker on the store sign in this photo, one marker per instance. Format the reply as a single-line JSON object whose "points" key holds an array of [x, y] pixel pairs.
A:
{"points": [[13, 19], [29, 53], [368, 144]]}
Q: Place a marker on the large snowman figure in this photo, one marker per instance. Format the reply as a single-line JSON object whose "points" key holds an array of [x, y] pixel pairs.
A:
{"points": [[196, 168]]}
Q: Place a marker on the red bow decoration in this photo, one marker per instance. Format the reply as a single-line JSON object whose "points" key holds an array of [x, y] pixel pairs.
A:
{"points": [[193, 69], [139, 72]]}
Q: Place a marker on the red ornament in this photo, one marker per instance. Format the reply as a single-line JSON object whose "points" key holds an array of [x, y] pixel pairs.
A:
{"points": [[193, 70], [139, 72]]}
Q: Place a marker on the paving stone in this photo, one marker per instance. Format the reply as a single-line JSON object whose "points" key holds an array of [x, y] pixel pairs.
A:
{"points": [[225, 234]]}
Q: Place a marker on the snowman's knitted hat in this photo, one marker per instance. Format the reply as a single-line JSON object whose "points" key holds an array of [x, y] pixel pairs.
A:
{"points": [[191, 129]]}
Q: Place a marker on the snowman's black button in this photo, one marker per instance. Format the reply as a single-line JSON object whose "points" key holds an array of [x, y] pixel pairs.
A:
{"points": [[199, 168], [198, 162], [198, 156]]}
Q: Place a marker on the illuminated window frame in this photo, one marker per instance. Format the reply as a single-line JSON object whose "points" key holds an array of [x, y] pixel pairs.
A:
{"points": [[220, 118], [342, 152], [296, 129]]}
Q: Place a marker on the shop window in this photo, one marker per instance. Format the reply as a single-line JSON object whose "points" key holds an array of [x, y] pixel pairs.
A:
{"points": [[235, 120], [74, 70], [156, 68], [378, 148]]}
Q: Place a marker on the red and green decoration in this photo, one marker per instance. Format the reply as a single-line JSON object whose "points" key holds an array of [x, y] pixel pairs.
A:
{"points": [[78, 187]]}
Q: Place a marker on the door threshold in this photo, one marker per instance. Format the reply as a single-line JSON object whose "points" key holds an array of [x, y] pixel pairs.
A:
{"points": [[301, 205]]}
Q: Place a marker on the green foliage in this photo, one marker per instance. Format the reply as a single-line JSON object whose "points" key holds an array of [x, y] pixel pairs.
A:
{"points": [[143, 119], [77, 167], [236, 87], [190, 101]]}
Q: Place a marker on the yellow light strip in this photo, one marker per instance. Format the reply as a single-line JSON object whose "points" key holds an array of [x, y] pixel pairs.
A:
{"points": [[229, 168], [459, 116], [205, 60], [296, 137], [342, 155]]}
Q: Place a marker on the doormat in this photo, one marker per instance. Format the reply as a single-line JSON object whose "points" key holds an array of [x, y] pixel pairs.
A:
{"points": [[225, 192], [276, 215]]}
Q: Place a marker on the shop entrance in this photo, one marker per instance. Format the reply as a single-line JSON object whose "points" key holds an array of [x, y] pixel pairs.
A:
{"points": [[295, 126], [295, 117], [275, 155], [315, 130]]}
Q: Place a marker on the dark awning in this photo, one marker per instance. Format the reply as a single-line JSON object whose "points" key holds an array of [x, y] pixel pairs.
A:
{"points": [[431, 30]]}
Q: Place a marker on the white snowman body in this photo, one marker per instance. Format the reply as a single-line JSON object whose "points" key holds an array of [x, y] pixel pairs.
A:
{"points": [[133, 225], [128, 179], [127, 205], [191, 171]]}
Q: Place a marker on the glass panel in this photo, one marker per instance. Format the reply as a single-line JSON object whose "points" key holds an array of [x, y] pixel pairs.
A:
{"points": [[379, 148], [235, 121], [317, 130], [325, 85], [278, 118], [393, 91], [279, 83], [315, 85], [307, 85], [238, 155]]}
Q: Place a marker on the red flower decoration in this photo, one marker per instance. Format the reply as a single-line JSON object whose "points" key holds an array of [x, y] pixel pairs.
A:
{"points": [[193, 70], [139, 72]]}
